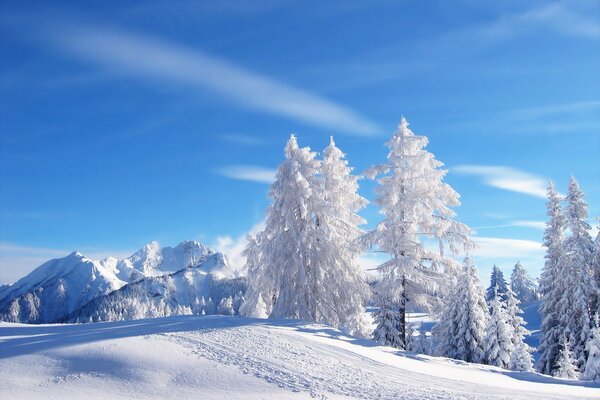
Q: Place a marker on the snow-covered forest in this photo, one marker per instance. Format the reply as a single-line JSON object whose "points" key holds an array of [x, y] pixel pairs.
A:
{"points": [[304, 265]]}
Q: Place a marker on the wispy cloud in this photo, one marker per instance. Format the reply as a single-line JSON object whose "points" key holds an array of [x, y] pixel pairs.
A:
{"points": [[540, 225], [248, 173], [506, 178], [154, 59], [554, 109], [501, 248], [567, 18]]}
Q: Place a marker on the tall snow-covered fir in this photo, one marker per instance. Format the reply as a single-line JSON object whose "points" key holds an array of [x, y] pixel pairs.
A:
{"points": [[497, 284], [576, 275], [416, 203], [461, 330], [303, 264], [521, 358], [522, 285], [283, 273], [550, 285], [498, 341], [592, 365], [340, 290]]}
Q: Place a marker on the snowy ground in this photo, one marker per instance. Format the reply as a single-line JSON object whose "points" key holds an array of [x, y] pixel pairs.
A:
{"points": [[217, 357]]}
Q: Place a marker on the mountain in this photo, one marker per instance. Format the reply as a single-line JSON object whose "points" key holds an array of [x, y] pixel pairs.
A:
{"points": [[197, 289], [59, 287]]}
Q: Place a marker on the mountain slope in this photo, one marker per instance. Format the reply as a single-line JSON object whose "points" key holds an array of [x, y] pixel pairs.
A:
{"points": [[195, 289], [61, 286], [216, 357]]}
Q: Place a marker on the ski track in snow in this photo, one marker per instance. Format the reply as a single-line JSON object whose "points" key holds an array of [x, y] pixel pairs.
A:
{"points": [[294, 367]]}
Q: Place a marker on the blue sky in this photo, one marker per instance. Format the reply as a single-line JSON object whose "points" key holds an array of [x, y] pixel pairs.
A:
{"points": [[163, 121]]}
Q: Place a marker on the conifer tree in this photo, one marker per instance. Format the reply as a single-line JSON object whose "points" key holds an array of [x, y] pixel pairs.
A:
{"points": [[576, 275], [497, 284], [498, 336], [521, 359], [522, 285], [592, 365], [550, 285], [564, 366], [460, 332], [416, 203], [281, 271], [387, 319], [339, 287]]}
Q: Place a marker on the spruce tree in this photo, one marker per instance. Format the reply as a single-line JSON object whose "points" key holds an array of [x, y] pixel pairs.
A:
{"points": [[498, 344], [576, 275], [416, 203], [522, 285], [521, 359], [497, 284], [550, 285], [281, 271], [592, 365], [467, 312], [339, 288], [564, 366]]}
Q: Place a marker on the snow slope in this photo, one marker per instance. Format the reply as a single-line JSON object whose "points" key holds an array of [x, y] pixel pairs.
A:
{"points": [[190, 290], [61, 286], [216, 357]]}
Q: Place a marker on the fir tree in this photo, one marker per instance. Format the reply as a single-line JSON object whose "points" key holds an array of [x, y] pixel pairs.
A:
{"points": [[338, 287], [497, 284], [576, 275], [281, 259], [564, 366], [522, 285], [521, 359], [592, 365], [466, 312], [388, 321], [416, 203], [498, 336], [550, 285]]}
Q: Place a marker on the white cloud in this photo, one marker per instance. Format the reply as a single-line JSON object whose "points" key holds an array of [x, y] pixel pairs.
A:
{"points": [[151, 58], [233, 247], [554, 109], [566, 18], [246, 140], [501, 248], [248, 173], [17, 261], [506, 178], [541, 225]]}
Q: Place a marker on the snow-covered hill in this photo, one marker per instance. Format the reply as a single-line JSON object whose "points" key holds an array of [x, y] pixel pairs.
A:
{"points": [[61, 286], [214, 357]]}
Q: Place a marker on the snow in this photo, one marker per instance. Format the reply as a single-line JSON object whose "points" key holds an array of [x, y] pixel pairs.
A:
{"points": [[216, 357]]}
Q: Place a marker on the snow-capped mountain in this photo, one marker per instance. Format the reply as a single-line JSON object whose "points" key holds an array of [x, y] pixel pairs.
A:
{"points": [[60, 286], [198, 289]]}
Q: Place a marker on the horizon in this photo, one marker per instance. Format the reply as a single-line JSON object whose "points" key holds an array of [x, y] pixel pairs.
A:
{"points": [[126, 125]]}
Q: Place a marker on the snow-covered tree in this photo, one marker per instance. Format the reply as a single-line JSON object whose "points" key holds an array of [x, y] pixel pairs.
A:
{"points": [[576, 275], [564, 366], [282, 272], [416, 204], [550, 285], [595, 298], [387, 318], [421, 344], [592, 365], [497, 284], [498, 344], [338, 286], [522, 285], [225, 306], [466, 318], [521, 359]]}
